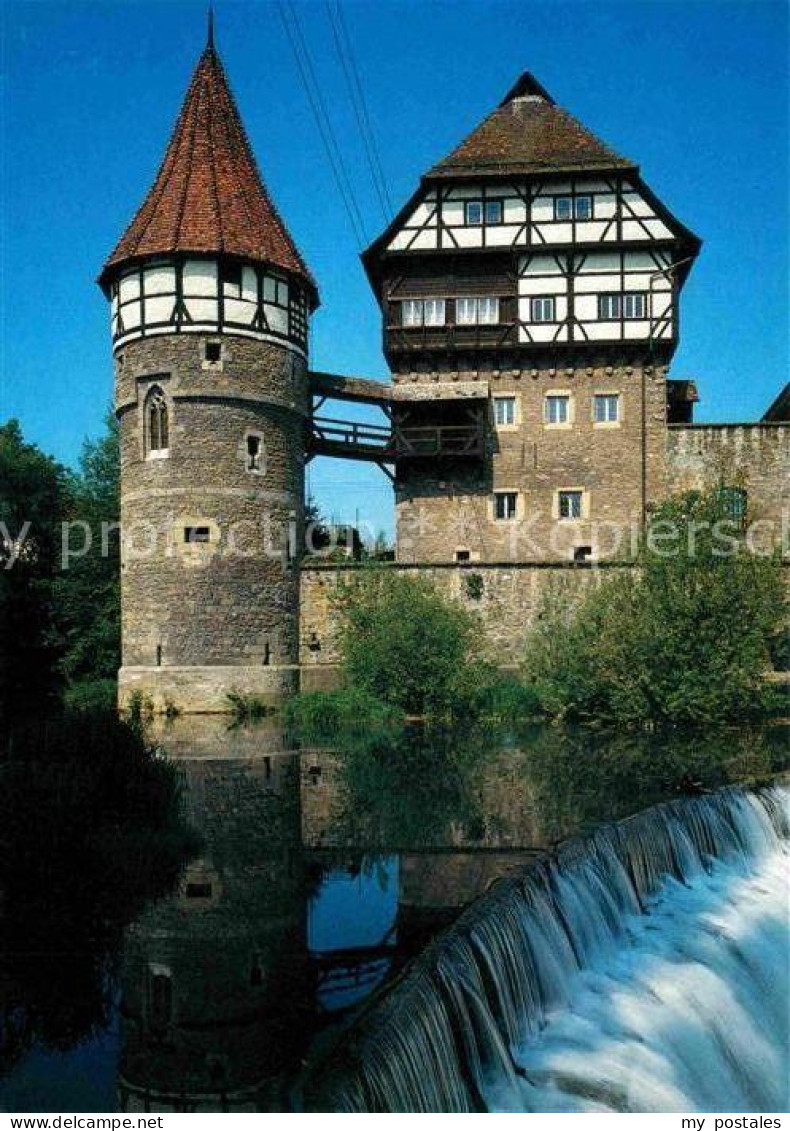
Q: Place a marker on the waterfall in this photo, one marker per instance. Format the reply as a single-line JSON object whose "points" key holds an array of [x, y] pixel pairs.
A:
{"points": [[641, 968]]}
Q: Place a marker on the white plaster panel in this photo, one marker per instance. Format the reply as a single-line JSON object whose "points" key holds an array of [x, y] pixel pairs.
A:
{"points": [[469, 237], [131, 315], [555, 285], [634, 230], [540, 265], [589, 231], [129, 287], [658, 229], [424, 239], [515, 210], [595, 284], [159, 280], [500, 235], [200, 277], [586, 306], [542, 209], [277, 318], [236, 310], [159, 309], [636, 330], [202, 309]]}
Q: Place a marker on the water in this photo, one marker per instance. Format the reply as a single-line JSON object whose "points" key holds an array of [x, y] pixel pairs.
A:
{"points": [[318, 877], [644, 968]]}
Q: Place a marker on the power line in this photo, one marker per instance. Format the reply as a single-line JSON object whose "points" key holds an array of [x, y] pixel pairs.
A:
{"points": [[357, 95], [313, 90]]}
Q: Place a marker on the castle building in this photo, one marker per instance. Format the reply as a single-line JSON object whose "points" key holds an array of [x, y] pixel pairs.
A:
{"points": [[531, 287], [210, 307], [530, 294]]}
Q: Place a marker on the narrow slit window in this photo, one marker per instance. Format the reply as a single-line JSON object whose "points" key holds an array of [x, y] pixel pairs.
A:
{"points": [[254, 453], [213, 352], [157, 422]]}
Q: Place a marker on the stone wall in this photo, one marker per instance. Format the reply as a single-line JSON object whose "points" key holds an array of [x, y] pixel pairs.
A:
{"points": [[192, 611], [753, 456], [510, 599], [446, 507]]}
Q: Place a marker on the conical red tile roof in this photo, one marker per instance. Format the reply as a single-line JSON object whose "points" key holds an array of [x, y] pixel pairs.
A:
{"points": [[208, 195]]}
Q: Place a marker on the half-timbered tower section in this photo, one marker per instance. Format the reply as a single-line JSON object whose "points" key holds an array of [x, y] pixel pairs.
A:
{"points": [[535, 270], [210, 304]]}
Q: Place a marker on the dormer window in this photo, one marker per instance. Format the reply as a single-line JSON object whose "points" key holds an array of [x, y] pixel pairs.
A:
{"points": [[573, 208], [423, 312]]}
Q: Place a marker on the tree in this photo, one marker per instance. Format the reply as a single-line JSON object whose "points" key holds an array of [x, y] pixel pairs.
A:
{"points": [[406, 644], [684, 639], [34, 495], [87, 592]]}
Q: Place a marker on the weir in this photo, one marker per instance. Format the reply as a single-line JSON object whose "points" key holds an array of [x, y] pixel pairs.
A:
{"points": [[643, 967]]}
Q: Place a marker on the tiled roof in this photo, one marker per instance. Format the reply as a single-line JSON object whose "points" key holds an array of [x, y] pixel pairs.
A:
{"points": [[208, 195], [529, 133]]}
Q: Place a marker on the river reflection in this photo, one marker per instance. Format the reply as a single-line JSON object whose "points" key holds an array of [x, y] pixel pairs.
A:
{"points": [[319, 873]]}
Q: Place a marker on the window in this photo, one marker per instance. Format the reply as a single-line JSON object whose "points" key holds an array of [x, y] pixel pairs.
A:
{"points": [[606, 408], [213, 352], [193, 534], [230, 275], [573, 208], [733, 502], [433, 311], [157, 422], [463, 556], [630, 305], [505, 505], [493, 212], [419, 312], [542, 309], [473, 212], [582, 553], [254, 453], [472, 311], [557, 409], [569, 504], [504, 412]]}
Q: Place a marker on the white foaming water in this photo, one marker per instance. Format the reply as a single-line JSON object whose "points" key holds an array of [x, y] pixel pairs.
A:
{"points": [[643, 968], [689, 1014]]}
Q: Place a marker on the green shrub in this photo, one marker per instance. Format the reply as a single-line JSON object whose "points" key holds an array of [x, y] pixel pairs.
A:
{"points": [[683, 639], [406, 644], [91, 695], [504, 698], [247, 708], [323, 714]]}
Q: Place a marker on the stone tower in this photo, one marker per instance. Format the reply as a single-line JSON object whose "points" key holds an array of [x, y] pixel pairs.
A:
{"points": [[210, 307]]}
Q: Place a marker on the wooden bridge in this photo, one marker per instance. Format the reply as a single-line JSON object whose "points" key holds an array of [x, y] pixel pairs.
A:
{"points": [[398, 439]]}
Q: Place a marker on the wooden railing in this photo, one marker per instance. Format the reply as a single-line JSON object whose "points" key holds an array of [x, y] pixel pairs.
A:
{"points": [[357, 440]]}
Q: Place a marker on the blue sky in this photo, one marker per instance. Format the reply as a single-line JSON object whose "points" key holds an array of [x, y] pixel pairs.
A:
{"points": [[695, 92]]}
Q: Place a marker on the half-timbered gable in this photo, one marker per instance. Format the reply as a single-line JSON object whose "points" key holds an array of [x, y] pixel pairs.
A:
{"points": [[531, 198], [535, 260]]}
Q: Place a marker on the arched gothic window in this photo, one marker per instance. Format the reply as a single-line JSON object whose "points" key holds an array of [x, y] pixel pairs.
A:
{"points": [[157, 424]]}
